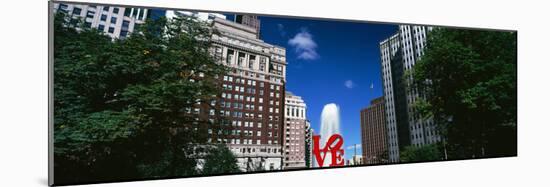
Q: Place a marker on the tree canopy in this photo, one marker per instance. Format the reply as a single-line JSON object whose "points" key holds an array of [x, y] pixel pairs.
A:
{"points": [[424, 153], [122, 107], [468, 81], [220, 160]]}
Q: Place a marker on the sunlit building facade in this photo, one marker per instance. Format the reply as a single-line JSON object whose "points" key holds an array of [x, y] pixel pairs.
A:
{"points": [[399, 53], [115, 21], [294, 143]]}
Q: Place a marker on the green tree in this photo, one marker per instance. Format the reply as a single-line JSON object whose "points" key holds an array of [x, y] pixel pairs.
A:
{"points": [[468, 82], [424, 153], [220, 160], [121, 106]]}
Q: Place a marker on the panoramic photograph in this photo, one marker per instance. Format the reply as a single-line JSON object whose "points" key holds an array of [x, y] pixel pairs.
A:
{"points": [[150, 93]]}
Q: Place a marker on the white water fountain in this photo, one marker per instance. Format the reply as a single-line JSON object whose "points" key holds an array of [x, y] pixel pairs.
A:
{"points": [[330, 124]]}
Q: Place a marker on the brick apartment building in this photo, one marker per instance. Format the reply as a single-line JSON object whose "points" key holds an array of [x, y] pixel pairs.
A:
{"points": [[253, 95]]}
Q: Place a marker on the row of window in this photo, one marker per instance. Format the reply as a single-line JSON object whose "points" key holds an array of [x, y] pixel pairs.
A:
{"points": [[245, 142], [249, 82], [298, 127], [242, 60], [295, 112], [262, 150], [247, 107], [91, 13], [248, 90], [229, 60], [238, 114], [245, 133], [242, 98], [78, 10]]}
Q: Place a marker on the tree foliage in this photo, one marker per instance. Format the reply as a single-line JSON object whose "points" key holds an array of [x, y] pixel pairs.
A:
{"points": [[424, 153], [121, 105], [468, 81], [220, 160]]}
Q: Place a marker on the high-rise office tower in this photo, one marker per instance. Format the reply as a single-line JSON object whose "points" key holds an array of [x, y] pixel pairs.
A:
{"points": [[373, 132], [294, 142], [249, 20], [399, 53], [115, 21]]}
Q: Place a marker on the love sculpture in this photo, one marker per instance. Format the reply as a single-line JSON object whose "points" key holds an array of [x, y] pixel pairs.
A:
{"points": [[333, 146]]}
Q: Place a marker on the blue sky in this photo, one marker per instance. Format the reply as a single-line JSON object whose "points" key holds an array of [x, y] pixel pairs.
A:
{"points": [[331, 62]]}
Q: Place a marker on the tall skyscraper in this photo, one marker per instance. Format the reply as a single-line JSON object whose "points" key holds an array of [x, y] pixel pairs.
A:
{"points": [[249, 20], [373, 132], [253, 95], [399, 53], [422, 131], [294, 143], [115, 21]]}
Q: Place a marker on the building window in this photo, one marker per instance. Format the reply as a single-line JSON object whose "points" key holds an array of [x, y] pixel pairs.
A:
{"points": [[127, 12], [101, 27], [103, 17], [113, 20], [87, 24], [240, 59], [251, 62], [63, 6], [123, 33], [76, 11], [125, 24], [111, 29], [229, 57], [141, 12], [115, 10], [106, 8], [90, 14]]}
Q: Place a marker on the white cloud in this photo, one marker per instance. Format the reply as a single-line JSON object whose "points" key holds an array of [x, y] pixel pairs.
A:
{"points": [[304, 45], [349, 84], [358, 146]]}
